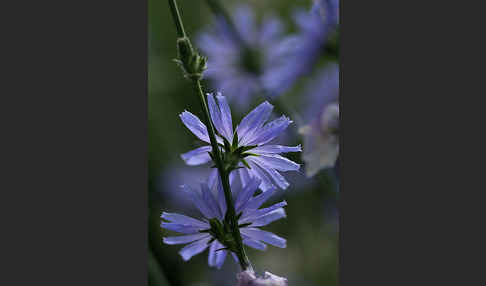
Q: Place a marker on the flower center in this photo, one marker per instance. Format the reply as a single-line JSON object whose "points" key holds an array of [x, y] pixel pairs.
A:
{"points": [[251, 61], [234, 154]]}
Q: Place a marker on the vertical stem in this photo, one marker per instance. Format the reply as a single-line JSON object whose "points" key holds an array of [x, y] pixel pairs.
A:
{"points": [[231, 213], [177, 18]]}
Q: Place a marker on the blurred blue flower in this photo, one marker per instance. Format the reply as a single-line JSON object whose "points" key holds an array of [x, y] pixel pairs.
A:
{"points": [[329, 10], [239, 61], [211, 230], [304, 49], [170, 181], [321, 133], [260, 158]]}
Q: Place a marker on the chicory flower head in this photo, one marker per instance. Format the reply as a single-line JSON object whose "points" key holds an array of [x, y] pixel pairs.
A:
{"points": [[213, 230], [248, 149], [238, 61], [304, 49], [321, 134]]}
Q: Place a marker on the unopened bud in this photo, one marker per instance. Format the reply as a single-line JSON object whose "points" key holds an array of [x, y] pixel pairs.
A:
{"points": [[192, 64]]}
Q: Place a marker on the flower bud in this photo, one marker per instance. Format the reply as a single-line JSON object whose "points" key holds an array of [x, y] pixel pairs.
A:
{"points": [[192, 64]]}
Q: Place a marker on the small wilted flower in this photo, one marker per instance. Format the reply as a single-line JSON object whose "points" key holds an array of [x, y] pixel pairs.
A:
{"points": [[249, 278], [321, 134], [247, 150], [213, 229], [240, 63]]}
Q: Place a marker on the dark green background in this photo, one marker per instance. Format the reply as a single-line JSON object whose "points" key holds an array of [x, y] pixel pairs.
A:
{"points": [[311, 256]]}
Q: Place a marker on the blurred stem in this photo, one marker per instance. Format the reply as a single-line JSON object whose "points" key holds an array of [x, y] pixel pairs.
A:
{"points": [[155, 275], [224, 174]]}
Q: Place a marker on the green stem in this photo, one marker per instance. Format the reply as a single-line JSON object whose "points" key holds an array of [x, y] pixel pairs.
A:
{"points": [[224, 174], [177, 18]]}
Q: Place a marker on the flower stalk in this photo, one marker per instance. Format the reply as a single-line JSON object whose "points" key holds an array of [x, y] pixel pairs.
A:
{"points": [[193, 65]]}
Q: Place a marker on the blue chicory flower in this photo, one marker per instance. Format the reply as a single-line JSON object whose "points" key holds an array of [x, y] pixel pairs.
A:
{"points": [[238, 64], [264, 160], [304, 49], [321, 133], [199, 233]]}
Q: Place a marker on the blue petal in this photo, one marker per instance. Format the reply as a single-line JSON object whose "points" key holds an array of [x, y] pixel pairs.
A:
{"points": [[275, 149], [257, 171], [197, 156], [253, 122], [194, 248], [265, 236], [211, 45], [245, 23], [255, 202], [251, 215], [254, 243], [213, 178], [210, 202], [244, 176], [221, 198], [195, 125], [225, 117], [246, 193], [235, 258], [182, 239], [212, 254], [216, 255], [271, 29], [215, 114], [220, 257], [182, 219], [277, 162], [198, 201], [270, 131], [181, 228], [263, 167], [269, 217]]}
